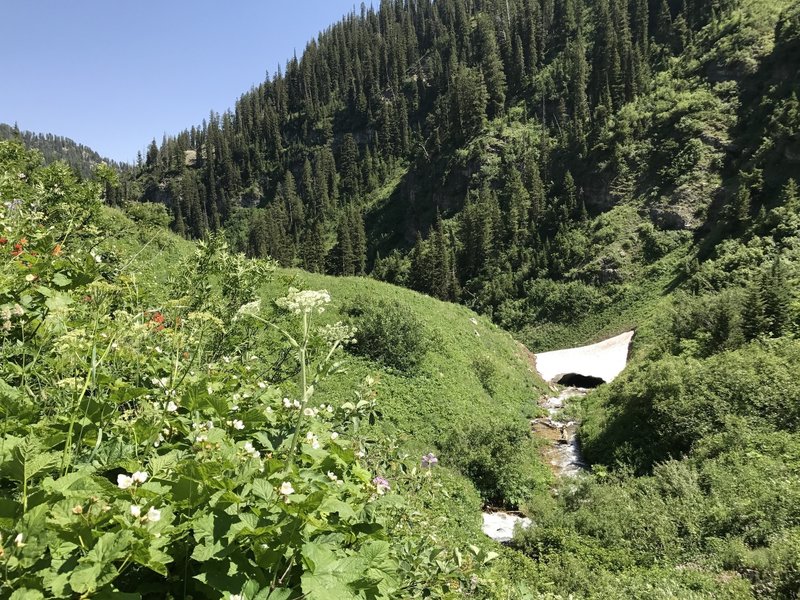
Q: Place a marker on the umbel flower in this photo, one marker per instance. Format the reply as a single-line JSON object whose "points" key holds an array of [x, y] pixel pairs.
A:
{"points": [[306, 301]]}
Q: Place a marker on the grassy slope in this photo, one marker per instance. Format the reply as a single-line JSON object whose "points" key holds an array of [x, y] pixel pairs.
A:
{"points": [[445, 393]]}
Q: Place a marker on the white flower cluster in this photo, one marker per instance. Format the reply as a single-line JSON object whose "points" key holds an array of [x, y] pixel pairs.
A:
{"points": [[249, 309], [7, 313], [161, 438], [202, 429], [312, 440], [338, 332], [126, 481], [310, 411], [251, 451], [291, 403], [153, 515], [306, 301]]}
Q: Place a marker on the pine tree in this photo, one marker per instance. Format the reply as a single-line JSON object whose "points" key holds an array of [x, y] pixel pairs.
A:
{"points": [[420, 269], [790, 196], [754, 318], [359, 240], [349, 169], [345, 245], [577, 89], [741, 205], [491, 66], [776, 293]]}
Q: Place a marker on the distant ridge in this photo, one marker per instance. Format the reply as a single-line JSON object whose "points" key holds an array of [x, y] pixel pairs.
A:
{"points": [[56, 147]]}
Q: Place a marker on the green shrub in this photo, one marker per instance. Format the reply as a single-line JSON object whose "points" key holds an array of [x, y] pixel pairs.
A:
{"points": [[389, 332], [499, 459]]}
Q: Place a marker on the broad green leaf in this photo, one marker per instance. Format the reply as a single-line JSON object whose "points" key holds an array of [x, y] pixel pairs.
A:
{"points": [[26, 594]]}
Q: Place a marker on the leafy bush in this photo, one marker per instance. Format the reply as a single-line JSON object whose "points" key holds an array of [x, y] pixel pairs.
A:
{"points": [[498, 460], [389, 332]]}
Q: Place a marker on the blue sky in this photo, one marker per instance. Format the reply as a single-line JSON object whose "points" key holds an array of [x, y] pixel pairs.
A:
{"points": [[114, 74]]}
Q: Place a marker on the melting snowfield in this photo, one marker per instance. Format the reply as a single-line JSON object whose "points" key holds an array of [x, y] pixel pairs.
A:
{"points": [[604, 360]]}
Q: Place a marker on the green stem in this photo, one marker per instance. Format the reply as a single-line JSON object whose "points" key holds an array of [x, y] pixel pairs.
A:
{"points": [[303, 387]]}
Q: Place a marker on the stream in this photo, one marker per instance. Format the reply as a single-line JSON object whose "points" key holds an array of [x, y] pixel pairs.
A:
{"points": [[562, 453]]}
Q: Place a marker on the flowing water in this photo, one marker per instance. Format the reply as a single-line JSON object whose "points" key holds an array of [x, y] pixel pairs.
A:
{"points": [[563, 453]]}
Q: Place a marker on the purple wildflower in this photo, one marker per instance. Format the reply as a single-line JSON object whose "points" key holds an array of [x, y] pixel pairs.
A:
{"points": [[429, 460], [381, 484]]}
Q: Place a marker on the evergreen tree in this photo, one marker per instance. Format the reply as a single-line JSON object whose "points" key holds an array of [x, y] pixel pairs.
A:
{"points": [[349, 169], [491, 66], [776, 295], [345, 246], [358, 240], [741, 205]]}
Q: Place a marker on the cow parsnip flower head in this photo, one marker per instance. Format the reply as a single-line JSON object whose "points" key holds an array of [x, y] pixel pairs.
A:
{"points": [[251, 308], [339, 332], [304, 302]]}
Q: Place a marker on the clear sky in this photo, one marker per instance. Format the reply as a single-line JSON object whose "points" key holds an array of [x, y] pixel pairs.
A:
{"points": [[114, 74]]}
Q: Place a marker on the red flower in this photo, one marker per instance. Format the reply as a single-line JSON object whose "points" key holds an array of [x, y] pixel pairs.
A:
{"points": [[3, 241]]}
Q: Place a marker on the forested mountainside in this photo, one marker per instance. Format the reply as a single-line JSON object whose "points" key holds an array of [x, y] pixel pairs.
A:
{"points": [[467, 149], [55, 147]]}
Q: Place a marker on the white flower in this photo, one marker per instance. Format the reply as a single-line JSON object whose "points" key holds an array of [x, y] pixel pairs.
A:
{"points": [[249, 449], [171, 406], [286, 488], [309, 412], [334, 435], [296, 403], [124, 481], [237, 424], [139, 476], [341, 333], [332, 476], [201, 438], [287, 403], [262, 385], [136, 511], [226, 359], [304, 302], [312, 439], [18, 540], [153, 515], [251, 308]]}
